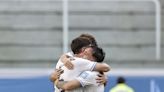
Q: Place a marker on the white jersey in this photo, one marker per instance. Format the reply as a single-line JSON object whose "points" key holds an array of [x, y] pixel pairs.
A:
{"points": [[88, 81], [80, 65]]}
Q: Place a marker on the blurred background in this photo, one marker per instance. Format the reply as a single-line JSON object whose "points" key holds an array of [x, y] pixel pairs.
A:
{"points": [[31, 41]]}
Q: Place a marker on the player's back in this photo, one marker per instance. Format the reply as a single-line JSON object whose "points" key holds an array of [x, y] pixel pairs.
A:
{"points": [[80, 65], [92, 86]]}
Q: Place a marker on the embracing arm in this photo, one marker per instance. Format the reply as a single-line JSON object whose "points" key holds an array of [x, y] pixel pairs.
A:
{"points": [[65, 85], [102, 67], [91, 65], [68, 85], [55, 74], [80, 81]]}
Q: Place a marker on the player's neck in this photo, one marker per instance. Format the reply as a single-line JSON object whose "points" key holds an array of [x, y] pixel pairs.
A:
{"points": [[77, 55]]}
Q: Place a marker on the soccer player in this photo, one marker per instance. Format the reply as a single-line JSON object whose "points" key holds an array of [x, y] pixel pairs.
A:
{"points": [[76, 47], [86, 79], [85, 51]]}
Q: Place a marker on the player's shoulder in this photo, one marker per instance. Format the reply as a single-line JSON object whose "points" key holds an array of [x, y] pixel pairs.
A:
{"points": [[81, 59], [70, 54]]}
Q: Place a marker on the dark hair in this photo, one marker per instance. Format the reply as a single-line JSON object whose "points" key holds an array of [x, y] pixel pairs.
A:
{"points": [[78, 43], [90, 38], [98, 54], [120, 80]]}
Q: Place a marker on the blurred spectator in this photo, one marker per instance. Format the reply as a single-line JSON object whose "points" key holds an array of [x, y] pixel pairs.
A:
{"points": [[121, 86]]}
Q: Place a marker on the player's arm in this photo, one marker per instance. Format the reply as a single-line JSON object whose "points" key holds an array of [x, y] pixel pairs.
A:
{"points": [[56, 74], [92, 66], [81, 81], [101, 67], [68, 85]]}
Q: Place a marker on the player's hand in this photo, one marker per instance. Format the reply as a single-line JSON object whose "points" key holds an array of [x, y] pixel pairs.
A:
{"points": [[56, 74], [67, 62], [101, 79]]}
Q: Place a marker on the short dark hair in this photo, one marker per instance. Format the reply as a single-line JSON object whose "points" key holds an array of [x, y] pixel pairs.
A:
{"points": [[98, 54], [90, 38], [120, 80], [78, 43]]}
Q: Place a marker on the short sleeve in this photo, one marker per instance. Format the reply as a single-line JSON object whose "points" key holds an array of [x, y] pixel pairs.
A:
{"points": [[84, 65], [87, 78]]}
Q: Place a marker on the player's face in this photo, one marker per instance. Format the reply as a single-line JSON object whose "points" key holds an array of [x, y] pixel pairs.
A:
{"points": [[88, 54]]}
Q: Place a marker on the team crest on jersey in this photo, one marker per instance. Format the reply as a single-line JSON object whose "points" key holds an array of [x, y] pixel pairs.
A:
{"points": [[84, 75]]}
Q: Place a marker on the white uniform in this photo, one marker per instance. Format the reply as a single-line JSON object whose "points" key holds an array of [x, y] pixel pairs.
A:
{"points": [[88, 81], [80, 65]]}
